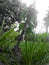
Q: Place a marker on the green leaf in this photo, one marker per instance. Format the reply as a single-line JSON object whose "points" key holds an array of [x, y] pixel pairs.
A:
{"points": [[29, 30], [8, 37], [21, 26]]}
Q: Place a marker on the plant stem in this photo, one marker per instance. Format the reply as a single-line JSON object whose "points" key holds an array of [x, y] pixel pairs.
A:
{"points": [[2, 25], [26, 47]]}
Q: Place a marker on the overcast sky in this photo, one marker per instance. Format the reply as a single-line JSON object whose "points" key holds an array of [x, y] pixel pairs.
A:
{"points": [[42, 7]]}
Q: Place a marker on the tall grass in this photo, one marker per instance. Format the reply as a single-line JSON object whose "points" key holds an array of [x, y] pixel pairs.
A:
{"points": [[35, 54]]}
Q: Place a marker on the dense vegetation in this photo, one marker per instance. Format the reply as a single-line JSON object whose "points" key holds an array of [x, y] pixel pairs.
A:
{"points": [[24, 46]]}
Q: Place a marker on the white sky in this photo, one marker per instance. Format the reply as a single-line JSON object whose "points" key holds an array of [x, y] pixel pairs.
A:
{"points": [[41, 6]]}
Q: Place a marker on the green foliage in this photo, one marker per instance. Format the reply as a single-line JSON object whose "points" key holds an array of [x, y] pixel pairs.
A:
{"points": [[42, 37], [35, 54], [7, 41], [34, 49], [2, 26], [29, 30], [23, 11], [3, 58], [21, 26]]}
